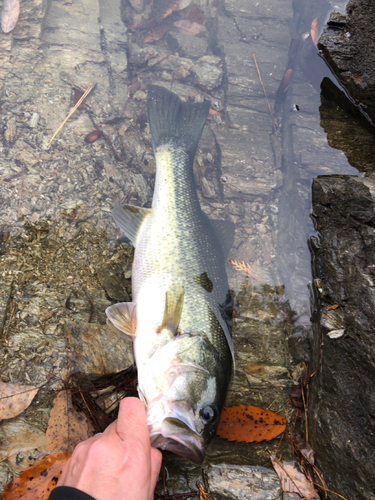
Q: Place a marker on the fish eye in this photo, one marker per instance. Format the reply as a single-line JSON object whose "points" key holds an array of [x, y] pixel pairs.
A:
{"points": [[208, 414]]}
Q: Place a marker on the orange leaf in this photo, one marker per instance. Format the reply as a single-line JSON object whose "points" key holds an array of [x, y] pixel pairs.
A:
{"points": [[249, 423], [36, 482], [314, 31]]}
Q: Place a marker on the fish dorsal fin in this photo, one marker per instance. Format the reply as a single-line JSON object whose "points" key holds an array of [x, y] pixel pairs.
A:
{"points": [[173, 121], [129, 219], [225, 232], [123, 318], [174, 299]]}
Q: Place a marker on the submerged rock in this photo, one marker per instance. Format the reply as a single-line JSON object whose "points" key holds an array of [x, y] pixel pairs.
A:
{"points": [[342, 397], [243, 482]]}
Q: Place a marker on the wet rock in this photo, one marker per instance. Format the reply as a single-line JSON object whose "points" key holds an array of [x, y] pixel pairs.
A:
{"points": [[347, 46], [98, 349], [208, 72], [342, 398], [242, 482], [190, 46]]}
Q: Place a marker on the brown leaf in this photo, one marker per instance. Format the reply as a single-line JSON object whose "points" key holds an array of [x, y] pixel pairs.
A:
{"points": [[196, 15], [66, 427], [36, 482], [188, 28], [333, 307], [157, 31], [249, 423], [162, 9], [293, 481], [25, 449], [14, 399], [9, 15]]}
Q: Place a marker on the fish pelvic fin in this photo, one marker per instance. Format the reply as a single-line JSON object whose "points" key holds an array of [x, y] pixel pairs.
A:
{"points": [[173, 121], [129, 219], [122, 317], [174, 299]]}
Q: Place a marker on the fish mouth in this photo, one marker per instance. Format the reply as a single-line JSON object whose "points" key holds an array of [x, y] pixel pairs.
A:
{"points": [[177, 432]]}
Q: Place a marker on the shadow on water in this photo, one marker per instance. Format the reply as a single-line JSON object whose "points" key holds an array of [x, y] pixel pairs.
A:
{"points": [[60, 259]]}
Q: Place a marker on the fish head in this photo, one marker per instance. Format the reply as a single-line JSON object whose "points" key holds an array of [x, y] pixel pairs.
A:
{"points": [[184, 413]]}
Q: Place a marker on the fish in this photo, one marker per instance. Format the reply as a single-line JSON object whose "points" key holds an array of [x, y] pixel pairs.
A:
{"points": [[180, 317]]}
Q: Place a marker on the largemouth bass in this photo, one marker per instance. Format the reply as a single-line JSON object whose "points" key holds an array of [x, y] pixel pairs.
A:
{"points": [[180, 317]]}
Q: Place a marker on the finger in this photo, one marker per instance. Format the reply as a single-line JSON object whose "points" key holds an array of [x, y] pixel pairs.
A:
{"points": [[132, 421], [74, 464], [156, 459]]}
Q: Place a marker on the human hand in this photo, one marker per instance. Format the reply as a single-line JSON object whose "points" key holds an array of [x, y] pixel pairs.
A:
{"points": [[118, 464]]}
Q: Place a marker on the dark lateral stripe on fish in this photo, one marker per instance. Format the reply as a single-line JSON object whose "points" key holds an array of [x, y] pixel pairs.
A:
{"points": [[173, 121]]}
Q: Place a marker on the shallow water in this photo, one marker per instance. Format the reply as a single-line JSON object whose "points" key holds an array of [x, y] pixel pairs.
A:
{"points": [[258, 155]]}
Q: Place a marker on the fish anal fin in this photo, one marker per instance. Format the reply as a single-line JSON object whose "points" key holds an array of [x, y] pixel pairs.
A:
{"points": [[129, 219], [123, 318]]}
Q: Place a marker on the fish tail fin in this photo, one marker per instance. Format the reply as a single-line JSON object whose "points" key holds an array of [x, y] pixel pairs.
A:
{"points": [[173, 121]]}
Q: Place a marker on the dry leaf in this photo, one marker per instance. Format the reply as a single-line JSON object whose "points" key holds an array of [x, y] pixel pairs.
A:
{"points": [[157, 31], [333, 307], [14, 399], [249, 423], [293, 481], [314, 31], [66, 427], [9, 15], [196, 15], [188, 28], [25, 449], [162, 9], [36, 482]]}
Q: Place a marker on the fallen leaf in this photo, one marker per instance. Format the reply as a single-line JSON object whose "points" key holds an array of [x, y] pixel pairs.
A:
{"points": [[196, 15], [25, 449], [14, 399], [333, 307], [188, 28], [212, 112], [293, 481], [9, 15], [66, 427], [314, 31], [157, 31], [162, 8], [249, 423], [36, 482]]}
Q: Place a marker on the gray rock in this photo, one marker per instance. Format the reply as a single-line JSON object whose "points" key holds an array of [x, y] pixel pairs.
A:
{"points": [[349, 51], [342, 400], [243, 482], [208, 71], [98, 349]]}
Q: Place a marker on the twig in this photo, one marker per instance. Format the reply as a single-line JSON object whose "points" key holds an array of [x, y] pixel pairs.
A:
{"points": [[320, 353], [329, 491], [202, 494], [10, 319], [21, 190], [265, 93], [8, 183], [305, 408], [70, 113], [149, 66]]}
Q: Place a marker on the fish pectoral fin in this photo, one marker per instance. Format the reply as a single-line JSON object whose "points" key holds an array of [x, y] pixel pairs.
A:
{"points": [[122, 316], [174, 299], [129, 219]]}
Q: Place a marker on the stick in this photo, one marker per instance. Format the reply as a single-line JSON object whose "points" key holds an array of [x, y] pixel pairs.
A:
{"points": [[70, 113], [21, 189], [265, 93]]}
